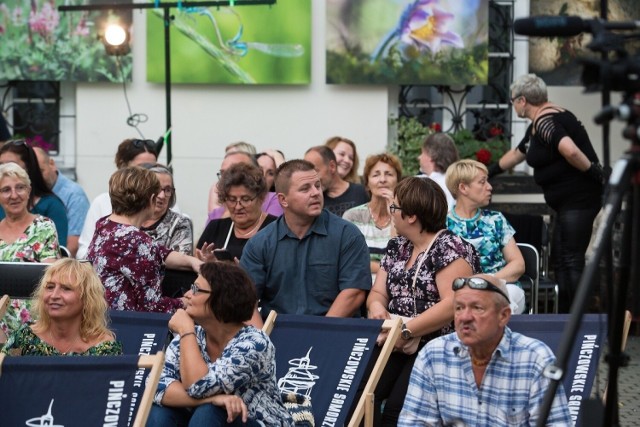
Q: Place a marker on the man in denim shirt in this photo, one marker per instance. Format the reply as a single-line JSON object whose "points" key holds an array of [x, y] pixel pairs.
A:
{"points": [[309, 261]]}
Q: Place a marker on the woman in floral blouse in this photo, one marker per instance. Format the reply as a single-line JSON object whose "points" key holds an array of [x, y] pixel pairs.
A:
{"points": [[488, 231], [218, 371], [71, 314], [24, 237], [129, 263], [414, 281]]}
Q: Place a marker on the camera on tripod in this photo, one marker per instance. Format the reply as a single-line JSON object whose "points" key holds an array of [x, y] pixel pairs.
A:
{"points": [[621, 74]]}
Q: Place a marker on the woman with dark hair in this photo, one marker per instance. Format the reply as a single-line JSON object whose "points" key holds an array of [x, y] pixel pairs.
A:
{"points": [[131, 152], [242, 190], [166, 227], [346, 158], [71, 315], [41, 199], [129, 263], [414, 282], [218, 371]]}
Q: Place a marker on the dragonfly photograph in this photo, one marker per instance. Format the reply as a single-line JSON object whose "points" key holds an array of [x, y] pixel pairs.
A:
{"points": [[254, 44], [430, 42]]}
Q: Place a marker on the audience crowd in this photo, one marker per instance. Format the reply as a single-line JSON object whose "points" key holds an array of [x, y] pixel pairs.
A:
{"points": [[303, 236]]}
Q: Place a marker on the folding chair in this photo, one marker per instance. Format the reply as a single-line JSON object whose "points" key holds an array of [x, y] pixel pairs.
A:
{"points": [[325, 358], [530, 279], [140, 332], [20, 279], [78, 391], [582, 366]]}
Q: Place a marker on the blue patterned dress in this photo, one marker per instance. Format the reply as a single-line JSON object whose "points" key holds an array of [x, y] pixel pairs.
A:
{"points": [[488, 231], [246, 368]]}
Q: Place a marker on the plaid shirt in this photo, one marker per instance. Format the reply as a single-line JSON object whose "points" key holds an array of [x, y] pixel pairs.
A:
{"points": [[443, 391]]}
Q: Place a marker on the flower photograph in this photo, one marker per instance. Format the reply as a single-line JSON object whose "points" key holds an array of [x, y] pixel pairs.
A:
{"points": [[37, 42], [249, 44], [435, 42]]}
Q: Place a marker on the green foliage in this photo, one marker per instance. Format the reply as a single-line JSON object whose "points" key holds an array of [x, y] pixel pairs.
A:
{"points": [[451, 67], [38, 43], [411, 134]]}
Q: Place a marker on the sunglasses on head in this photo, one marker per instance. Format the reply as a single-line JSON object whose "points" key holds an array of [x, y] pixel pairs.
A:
{"points": [[479, 284], [145, 143]]}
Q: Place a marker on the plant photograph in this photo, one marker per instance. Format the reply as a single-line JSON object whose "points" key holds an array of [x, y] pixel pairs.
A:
{"points": [[429, 42], [37, 42], [249, 44]]}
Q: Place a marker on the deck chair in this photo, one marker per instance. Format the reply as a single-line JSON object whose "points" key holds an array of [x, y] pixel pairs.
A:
{"points": [[324, 358], [78, 391], [582, 367], [140, 332], [20, 279]]}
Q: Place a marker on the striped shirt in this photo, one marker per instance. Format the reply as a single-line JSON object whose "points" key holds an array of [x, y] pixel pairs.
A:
{"points": [[442, 389]]}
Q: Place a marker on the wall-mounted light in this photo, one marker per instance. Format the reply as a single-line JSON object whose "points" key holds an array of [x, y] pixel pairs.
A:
{"points": [[116, 40]]}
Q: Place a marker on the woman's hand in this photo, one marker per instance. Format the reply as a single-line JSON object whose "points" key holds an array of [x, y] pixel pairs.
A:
{"points": [[181, 322], [205, 254], [378, 311], [234, 404]]}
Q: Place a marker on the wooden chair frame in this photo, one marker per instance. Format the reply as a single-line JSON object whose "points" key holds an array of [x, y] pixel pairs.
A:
{"points": [[364, 408]]}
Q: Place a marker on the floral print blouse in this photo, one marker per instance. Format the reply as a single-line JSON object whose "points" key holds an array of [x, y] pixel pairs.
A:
{"points": [[246, 368], [488, 231], [174, 231], [402, 297], [131, 267], [38, 242], [24, 342]]}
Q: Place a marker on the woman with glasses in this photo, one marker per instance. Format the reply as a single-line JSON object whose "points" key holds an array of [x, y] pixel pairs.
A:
{"points": [[129, 263], [41, 199], [24, 236], [218, 371], [71, 314], [414, 282], [166, 227], [131, 152], [556, 145], [242, 190]]}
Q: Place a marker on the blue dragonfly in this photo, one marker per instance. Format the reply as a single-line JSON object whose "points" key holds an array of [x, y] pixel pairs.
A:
{"points": [[235, 46]]}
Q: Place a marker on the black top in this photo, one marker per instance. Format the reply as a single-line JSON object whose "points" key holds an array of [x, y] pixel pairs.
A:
{"points": [[217, 230], [563, 185], [355, 195]]}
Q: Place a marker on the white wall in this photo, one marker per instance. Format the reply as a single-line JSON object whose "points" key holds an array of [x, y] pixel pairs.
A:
{"points": [[206, 118]]}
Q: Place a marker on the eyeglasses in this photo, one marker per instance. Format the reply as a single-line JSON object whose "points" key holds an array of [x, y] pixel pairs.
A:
{"points": [[17, 142], [393, 208], [168, 191], [145, 143], [244, 201], [20, 189], [195, 290], [514, 98], [477, 283]]}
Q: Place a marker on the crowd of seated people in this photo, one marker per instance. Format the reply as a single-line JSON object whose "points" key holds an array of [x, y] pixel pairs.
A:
{"points": [[302, 237]]}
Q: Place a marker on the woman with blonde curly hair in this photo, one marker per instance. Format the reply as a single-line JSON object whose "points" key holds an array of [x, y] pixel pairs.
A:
{"points": [[71, 315]]}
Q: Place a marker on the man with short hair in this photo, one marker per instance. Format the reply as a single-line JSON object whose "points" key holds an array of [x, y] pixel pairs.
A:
{"points": [[308, 261], [339, 195], [71, 194], [483, 374]]}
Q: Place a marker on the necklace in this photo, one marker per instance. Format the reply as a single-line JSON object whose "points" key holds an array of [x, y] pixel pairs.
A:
{"points": [[481, 362], [64, 353], [257, 224], [375, 219]]}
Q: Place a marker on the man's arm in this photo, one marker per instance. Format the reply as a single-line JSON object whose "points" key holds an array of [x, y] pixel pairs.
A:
{"points": [[347, 303]]}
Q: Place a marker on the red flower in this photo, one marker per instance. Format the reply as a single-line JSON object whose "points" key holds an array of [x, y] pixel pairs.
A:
{"points": [[495, 131], [483, 156], [436, 127]]}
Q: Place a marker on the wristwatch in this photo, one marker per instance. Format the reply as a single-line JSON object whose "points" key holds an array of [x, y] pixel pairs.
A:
{"points": [[406, 332]]}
